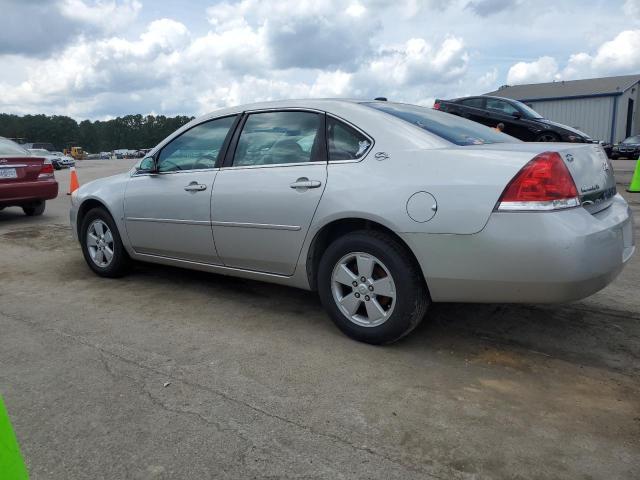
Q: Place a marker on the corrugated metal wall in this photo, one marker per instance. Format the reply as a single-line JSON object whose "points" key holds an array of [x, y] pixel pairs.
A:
{"points": [[621, 117], [591, 115]]}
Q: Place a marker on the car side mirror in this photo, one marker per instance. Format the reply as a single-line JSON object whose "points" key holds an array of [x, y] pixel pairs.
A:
{"points": [[147, 165]]}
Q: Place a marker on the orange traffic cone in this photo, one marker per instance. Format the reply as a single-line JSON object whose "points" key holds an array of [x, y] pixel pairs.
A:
{"points": [[73, 183]]}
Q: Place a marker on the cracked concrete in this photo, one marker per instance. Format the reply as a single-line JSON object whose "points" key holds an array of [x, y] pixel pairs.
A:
{"points": [[261, 385]]}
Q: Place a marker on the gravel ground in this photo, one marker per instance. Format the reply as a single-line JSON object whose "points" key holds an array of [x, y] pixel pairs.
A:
{"points": [[170, 373]]}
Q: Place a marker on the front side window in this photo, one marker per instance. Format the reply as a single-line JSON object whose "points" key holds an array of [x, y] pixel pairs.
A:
{"points": [[345, 143], [501, 106], [272, 138], [449, 127], [197, 148]]}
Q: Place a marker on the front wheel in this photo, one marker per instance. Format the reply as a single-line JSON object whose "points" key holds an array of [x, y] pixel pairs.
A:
{"points": [[372, 287], [102, 246]]}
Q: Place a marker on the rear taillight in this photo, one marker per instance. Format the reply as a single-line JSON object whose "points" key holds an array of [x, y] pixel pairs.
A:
{"points": [[542, 184], [436, 106], [46, 171]]}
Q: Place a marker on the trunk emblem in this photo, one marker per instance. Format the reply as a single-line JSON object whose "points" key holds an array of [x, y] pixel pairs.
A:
{"points": [[591, 188], [569, 157]]}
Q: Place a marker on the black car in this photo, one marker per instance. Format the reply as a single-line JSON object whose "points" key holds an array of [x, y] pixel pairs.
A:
{"points": [[519, 120], [628, 148]]}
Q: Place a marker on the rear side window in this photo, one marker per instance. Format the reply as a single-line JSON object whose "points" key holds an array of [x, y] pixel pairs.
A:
{"points": [[445, 125], [8, 147], [473, 102], [345, 142]]}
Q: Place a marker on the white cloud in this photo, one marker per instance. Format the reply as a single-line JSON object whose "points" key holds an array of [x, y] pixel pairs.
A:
{"points": [[107, 15], [618, 56], [97, 57], [632, 8], [544, 69]]}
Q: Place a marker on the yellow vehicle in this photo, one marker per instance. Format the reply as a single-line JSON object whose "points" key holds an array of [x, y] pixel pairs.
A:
{"points": [[75, 152]]}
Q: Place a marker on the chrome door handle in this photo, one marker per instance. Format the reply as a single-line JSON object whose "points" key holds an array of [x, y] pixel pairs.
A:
{"points": [[304, 182], [195, 187]]}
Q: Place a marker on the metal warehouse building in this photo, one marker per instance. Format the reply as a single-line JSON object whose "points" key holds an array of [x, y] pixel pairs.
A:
{"points": [[605, 108]]}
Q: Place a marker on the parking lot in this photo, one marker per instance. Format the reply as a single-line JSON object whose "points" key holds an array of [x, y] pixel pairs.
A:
{"points": [[169, 373]]}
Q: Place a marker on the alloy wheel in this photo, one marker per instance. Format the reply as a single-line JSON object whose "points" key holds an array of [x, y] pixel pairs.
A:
{"points": [[100, 243], [363, 289]]}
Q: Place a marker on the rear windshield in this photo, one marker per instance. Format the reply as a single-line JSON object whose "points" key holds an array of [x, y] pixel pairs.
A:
{"points": [[445, 125], [7, 147]]}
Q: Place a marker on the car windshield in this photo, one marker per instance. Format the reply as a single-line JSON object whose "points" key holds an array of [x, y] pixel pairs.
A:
{"points": [[634, 139], [450, 127], [528, 111], [8, 147]]}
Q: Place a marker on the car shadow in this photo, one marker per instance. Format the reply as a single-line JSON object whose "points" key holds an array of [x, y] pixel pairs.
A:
{"points": [[577, 333]]}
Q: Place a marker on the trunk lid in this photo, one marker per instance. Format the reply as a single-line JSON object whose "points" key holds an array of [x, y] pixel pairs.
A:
{"points": [[19, 168], [593, 174], [588, 164]]}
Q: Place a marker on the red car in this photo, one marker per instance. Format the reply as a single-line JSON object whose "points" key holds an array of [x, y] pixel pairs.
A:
{"points": [[25, 181]]}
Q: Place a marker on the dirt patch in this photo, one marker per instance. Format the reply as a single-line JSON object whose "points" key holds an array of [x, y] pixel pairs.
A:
{"points": [[49, 237]]}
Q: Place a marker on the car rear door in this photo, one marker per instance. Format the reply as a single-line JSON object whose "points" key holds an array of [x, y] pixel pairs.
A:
{"points": [[168, 211], [474, 109], [267, 192], [500, 111]]}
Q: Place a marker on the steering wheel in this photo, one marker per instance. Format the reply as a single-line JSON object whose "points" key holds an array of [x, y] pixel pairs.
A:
{"points": [[167, 161], [200, 159]]}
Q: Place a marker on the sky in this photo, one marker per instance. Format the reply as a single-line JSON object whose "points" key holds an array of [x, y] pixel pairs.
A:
{"points": [[98, 59]]}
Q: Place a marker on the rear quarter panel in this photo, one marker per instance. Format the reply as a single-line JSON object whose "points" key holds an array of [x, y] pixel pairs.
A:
{"points": [[466, 184]]}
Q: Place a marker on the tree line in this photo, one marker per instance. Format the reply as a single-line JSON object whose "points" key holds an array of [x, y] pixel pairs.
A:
{"points": [[130, 131]]}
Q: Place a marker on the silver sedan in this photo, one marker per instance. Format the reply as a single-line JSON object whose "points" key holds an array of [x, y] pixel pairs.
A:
{"points": [[381, 207]]}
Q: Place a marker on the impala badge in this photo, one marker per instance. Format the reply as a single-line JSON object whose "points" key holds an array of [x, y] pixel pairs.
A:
{"points": [[381, 156]]}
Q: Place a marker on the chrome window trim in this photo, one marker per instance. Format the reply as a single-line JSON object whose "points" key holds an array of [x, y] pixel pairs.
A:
{"points": [[276, 109], [13, 165], [357, 129], [272, 165], [154, 174]]}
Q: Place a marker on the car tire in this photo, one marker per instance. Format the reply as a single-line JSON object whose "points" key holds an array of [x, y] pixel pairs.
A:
{"points": [[35, 209], [98, 220], [547, 137], [402, 313]]}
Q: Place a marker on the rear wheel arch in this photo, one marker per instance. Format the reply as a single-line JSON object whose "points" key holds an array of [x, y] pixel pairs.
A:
{"points": [[338, 228]]}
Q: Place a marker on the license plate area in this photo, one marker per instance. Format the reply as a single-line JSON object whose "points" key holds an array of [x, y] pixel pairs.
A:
{"points": [[8, 173]]}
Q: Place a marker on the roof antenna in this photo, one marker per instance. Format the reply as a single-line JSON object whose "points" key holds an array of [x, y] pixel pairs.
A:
{"points": [[381, 99]]}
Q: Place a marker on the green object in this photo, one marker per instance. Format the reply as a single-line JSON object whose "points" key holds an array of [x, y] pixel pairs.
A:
{"points": [[635, 181], [11, 464]]}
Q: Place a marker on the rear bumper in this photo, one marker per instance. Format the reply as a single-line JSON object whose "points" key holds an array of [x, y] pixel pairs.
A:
{"points": [[19, 193], [546, 257]]}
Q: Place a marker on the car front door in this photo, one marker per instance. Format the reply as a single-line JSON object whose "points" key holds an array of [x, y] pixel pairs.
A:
{"points": [[168, 209], [503, 112], [267, 192]]}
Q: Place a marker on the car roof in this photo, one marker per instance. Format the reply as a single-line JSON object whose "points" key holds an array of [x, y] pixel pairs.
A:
{"points": [[325, 104]]}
